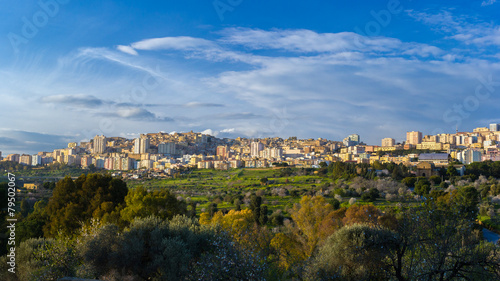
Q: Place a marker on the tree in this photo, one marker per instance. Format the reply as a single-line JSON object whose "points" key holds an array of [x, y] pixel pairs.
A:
{"points": [[438, 242], [352, 253], [49, 185], [436, 180], [31, 227], [467, 199], [444, 185], [237, 204], [451, 171], [234, 222], [154, 249], [240, 225], [409, 181], [212, 209], [308, 215], [74, 203], [335, 204], [263, 215], [28, 264], [365, 214], [263, 181], [192, 209], [25, 208], [225, 261], [141, 203], [423, 186], [371, 195], [255, 203]]}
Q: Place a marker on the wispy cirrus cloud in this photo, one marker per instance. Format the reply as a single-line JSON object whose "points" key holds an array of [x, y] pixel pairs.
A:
{"points": [[79, 100], [304, 41], [137, 114], [488, 2], [127, 49], [466, 29], [19, 141], [331, 84], [310, 42], [83, 100], [180, 43], [202, 104]]}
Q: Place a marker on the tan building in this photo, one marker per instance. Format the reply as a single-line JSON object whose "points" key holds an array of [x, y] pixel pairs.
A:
{"points": [[388, 142], [386, 148], [430, 145], [481, 129], [425, 169], [413, 137], [31, 185], [222, 151]]}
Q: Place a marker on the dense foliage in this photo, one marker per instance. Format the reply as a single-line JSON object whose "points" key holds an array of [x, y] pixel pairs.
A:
{"points": [[341, 222]]}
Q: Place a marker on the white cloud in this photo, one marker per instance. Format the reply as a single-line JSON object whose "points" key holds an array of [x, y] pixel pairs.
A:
{"points": [[308, 85], [300, 40], [423, 51], [488, 3], [127, 49], [172, 43], [202, 104], [461, 28], [75, 100], [210, 132]]}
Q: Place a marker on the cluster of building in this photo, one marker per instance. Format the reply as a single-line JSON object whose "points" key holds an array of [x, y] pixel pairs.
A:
{"points": [[170, 152]]}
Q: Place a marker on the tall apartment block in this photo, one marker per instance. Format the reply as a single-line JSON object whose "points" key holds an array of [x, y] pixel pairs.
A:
{"points": [[388, 142], [413, 138], [141, 145], [99, 144]]}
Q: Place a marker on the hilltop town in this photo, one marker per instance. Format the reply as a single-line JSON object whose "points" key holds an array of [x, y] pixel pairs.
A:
{"points": [[166, 153]]}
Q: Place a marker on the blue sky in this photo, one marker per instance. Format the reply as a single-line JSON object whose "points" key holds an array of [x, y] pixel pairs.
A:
{"points": [[72, 69]]}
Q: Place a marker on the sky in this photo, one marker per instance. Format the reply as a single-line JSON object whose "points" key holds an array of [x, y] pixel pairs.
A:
{"points": [[70, 70]]}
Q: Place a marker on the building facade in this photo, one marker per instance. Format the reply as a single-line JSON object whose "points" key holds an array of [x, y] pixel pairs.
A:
{"points": [[414, 137]]}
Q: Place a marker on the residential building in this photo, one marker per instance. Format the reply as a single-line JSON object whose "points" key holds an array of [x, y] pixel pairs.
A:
{"points": [[13, 157], [86, 161], [430, 145], [167, 148], [414, 137], [468, 156], [222, 151], [255, 148], [99, 144], [141, 145], [352, 140], [25, 159], [481, 129], [388, 142], [494, 127], [36, 160]]}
